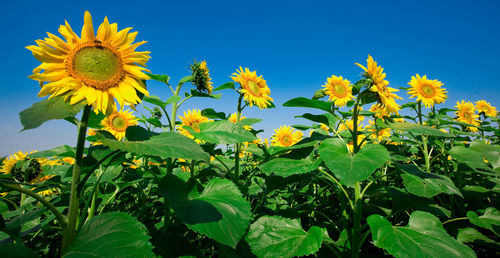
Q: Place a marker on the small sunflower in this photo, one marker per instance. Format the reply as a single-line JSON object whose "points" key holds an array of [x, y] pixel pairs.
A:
{"points": [[349, 124], [379, 111], [427, 91], [381, 134], [338, 90], [95, 68], [466, 114], [201, 76], [232, 118], [285, 136], [193, 119], [253, 87], [379, 85], [118, 122], [486, 108]]}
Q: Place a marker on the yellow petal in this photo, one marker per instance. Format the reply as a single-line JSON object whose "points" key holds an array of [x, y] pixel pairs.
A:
{"points": [[103, 30], [88, 28]]}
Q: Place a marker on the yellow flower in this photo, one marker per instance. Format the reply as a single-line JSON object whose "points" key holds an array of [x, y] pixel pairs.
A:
{"points": [[338, 90], [201, 76], [427, 91], [118, 122], [193, 119], [380, 134], [254, 89], [324, 127], [349, 124], [386, 96], [286, 136], [466, 114], [232, 118], [483, 106], [92, 68], [379, 111], [360, 137]]}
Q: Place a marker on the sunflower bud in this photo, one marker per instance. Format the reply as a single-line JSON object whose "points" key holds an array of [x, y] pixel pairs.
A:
{"points": [[157, 113], [319, 94], [26, 170], [201, 77]]}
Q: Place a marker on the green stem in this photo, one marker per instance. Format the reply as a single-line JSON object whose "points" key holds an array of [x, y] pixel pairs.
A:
{"points": [[237, 145], [60, 218], [339, 185], [357, 220], [455, 219], [425, 149], [74, 202], [355, 125]]}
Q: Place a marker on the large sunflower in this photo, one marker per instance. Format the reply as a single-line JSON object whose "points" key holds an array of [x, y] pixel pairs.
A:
{"points": [[427, 91], [487, 108], [193, 119], [286, 136], [466, 114], [92, 68], [118, 122], [253, 87], [338, 90], [379, 85]]}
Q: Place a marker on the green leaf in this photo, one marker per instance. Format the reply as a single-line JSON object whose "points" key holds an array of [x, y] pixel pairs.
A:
{"points": [[223, 132], [489, 220], [61, 151], [326, 118], [156, 100], [249, 121], [311, 103], [174, 98], [352, 168], [490, 151], [226, 224], [472, 157], [285, 167], [470, 235], [114, 234], [95, 120], [164, 145], [423, 237], [48, 109], [161, 78], [414, 128], [16, 251], [273, 236], [227, 85], [196, 93], [426, 184], [211, 113], [186, 79]]}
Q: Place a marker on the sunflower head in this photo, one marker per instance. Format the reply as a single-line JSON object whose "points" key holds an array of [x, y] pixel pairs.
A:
{"points": [[484, 107], [386, 96], [95, 68], [118, 122], [193, 119], [201, 76], [286, 136], [427, 91], [338, 90], [379, 111], [253, 88], [466, 114]]}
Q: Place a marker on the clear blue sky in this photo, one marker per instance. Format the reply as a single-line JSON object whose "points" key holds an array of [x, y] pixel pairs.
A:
{"points": [[296, 45]]}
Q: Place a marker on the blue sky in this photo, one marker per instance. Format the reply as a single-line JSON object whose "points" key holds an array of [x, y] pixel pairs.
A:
{"points": [[295, 45]]}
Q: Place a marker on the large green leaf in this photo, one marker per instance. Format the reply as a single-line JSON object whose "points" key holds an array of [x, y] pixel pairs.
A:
{"points": [[155, 101], [273, 236], [489, 220], [473, 157], [48, 109], [423, 237], [219, 212], [311, 103], [223, 132], [326, 118], [164, 145], [426, 184], [414, 128], [285, 167], [61, 151], [490, 151], [352, 168], [12, 250], [114, 234], [227, 85], [469, 235]]}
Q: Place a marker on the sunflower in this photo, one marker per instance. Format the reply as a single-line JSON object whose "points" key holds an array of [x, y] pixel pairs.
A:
{"points": [[193, 119], [118, 122], [95, 68], [201, 76], [350, 145], [254, 89], [286, 136], [427, 91], [466, 114], [338, 90], [380, 134], [232, 118], [349, 124], [379, 85], [379, 110], [486, 108]]}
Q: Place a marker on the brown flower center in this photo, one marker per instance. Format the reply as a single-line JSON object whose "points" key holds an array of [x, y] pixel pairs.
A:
{"points": [[119, 123], [339, 90], [428, 91], [253, 88]]}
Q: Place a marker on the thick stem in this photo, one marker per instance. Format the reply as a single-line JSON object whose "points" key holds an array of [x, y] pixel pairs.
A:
{"points": [[237, 145], [357, 220], [74, 202]]}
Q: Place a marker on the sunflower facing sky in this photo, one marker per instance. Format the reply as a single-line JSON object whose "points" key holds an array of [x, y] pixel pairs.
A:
{"points": [[118, 122], [286, 136], [253, 87], [338, 90], [466, 114], [94, 68], [427, 91], [193, 119], [487, 108], [379, 85]]}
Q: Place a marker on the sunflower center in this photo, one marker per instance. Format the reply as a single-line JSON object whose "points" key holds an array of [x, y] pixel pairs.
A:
{"points": [[96, 64], [286, 140], [467, 116], [195, 126], [428, 91], [26, 170], [253, 88], [339, 90], [119, 123]]}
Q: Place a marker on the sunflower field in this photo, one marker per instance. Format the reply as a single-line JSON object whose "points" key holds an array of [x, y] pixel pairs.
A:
{"points": [[369, 177]]}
